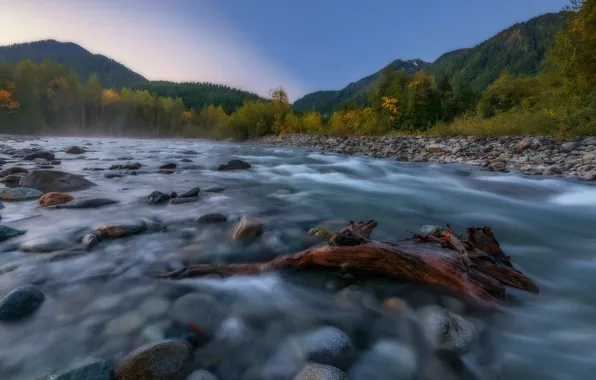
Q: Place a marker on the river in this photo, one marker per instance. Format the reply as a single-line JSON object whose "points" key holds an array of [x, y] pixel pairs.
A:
{"points": [[546, 225]]}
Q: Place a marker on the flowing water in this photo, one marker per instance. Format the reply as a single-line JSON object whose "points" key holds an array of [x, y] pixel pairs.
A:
{"points": [[547, 226]]}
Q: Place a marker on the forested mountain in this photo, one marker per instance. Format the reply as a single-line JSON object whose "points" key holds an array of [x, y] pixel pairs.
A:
{"points": [[518, 49], [198, 95], [112, 74]]}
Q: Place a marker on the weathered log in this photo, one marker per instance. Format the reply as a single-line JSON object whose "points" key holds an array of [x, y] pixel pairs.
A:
{"points": [[427, 262]]}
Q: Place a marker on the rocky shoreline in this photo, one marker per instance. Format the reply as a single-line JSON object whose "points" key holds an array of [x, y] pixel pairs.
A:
{"points": [[528, 155]]}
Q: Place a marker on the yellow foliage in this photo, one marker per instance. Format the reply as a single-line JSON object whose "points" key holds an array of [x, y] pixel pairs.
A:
{"points": [[7, 102], [109, 96]]}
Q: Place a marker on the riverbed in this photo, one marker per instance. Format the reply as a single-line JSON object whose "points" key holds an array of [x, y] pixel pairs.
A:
{"points": [[105, 303]]}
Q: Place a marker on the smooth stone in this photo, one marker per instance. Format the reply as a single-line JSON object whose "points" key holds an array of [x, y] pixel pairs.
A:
{"points": [[40, 154], [194, 192], [212, 219], [19, 194], [113, 231], [327, 345], [185, 160], [153, 333], [53, 199], [113, 175], [234, 165], [75, 150], [9, 233], [201, 375], [387, 360], [157, 197], [153, 307], [446, 331], [214, 189], [135, 166], [45, 245], [320, 232], [170, 165], [100, 370], [247, 227], [55, 181], [87, 203], [315, 371], [20, 303], [125, 324], [166, 171], [202, 310], [178, 201], [11, 171], [166, 360]]}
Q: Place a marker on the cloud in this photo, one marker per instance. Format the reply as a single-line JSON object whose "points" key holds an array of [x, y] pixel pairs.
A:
{"points": [[179, 41]]}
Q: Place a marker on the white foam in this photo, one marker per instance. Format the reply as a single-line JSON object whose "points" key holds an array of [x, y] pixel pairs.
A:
{"points": [[576, 197]]}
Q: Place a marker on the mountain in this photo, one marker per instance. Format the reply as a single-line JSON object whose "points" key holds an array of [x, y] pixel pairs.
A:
{"points": [[111, 73], [518, 49]]}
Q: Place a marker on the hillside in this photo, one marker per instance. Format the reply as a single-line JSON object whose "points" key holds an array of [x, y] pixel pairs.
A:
{"points": [[111, 73], [518, 49]]}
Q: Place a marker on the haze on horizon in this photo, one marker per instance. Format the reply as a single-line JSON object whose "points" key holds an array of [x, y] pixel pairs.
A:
{"points": [[259, 44]]}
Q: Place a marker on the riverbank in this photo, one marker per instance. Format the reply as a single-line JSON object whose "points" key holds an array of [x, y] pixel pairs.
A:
{"points": [[528, 155]]}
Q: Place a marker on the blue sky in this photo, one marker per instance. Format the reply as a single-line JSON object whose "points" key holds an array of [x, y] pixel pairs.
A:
{"points": [[304, 45]]}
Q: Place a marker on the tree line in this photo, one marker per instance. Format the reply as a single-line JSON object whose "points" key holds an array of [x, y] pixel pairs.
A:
{"points": [[559, 100]]}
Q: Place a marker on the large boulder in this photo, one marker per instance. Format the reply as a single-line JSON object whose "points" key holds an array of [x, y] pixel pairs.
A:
{"points": [[55, 181], [20, 303], [166, 360], [53, 199], [17, 194]]}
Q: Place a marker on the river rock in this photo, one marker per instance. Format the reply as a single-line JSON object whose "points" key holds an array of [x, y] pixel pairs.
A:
{"points": [[99, 370], [20, 303], [200, 309], [125, 324], [113, 175], [327, 345], [522, 145], [314, 371], [201, 375], [192, 193], [320, 232], [157, 197], [13, 170], [234, 165], [555, 170], [18, 194], [49, 156], [45, 245], [87, 203], [75, 150], [166, 360], [247, 227], [387, 360], [178, 201], [212, 219], [53, 199], [166, 171], [214, 189], [114, 231], [9, 232], [446, 331], [170, 165], [133, 166], [55, 181]]}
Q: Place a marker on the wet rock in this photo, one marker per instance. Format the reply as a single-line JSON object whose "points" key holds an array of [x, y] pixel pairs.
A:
{"points": [[20, 303], [13, 170], [9, 232], [314, 371], [99, 370], [86, 203], [212, 219], [445, 331], [56, 162], [157, 197], [192, 193], [165, 171], [555, 170], [247, 227], [589, 157], [170, 165], [18, 194], [75, 150], [234, 165], [49, 156], [90, 240], [214, 189], [45, 245], [327, 345], [153, 307], [387, 360], [179, 201], [185, 160], [589, 177], [320, 232], [152, 225], [125, 324], [200, 309], [113, 175], [437, 148], [114, 231], [133, 166], [166, 360], [201, 375], [55, 181], [12, 180], [53, 199]]}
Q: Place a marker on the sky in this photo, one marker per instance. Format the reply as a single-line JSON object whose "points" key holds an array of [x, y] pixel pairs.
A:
{"points": [[256, 45]]}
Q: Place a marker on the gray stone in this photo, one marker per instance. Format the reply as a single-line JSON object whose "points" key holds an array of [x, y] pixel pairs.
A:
{"points": [[87, 203], [9, 232], [387, 360], [157, 197], [201, 309], [39, 154], [327, 345], [45, 245], [100, 370], [170, 165], [214, 189], [166, 360], [179, 201], [201, 375], [314, 371], [20, 303], [75, 150], [19, 194], [212, 219], [55, 181], [192, 193], [125, 324], [234, 165], [447, 331]]}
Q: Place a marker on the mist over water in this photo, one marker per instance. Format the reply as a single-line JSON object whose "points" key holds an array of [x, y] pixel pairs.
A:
{"points": [[545, 225]]}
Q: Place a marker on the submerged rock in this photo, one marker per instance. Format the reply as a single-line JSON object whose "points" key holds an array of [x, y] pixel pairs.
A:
{"points": [[179, 200], [45, 245], [18, 194], [113, 175], [14, 170], [12, 180], [53, 199], [55, 181], [170, 165], [99, 370], [134, 166], [87, 203], [447, 331], [20, 303], [113, 231], [157, 197], [49, 156], [247, 227], [192, 193], [234, 165], [166, 360], [75, 150], [212, 219], [214, 189], [201, 375], [387, 360], [8, 233], [200, 309]]}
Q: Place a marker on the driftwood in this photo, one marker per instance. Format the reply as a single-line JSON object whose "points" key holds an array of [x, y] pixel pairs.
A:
{"points": [[429, 259]]}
